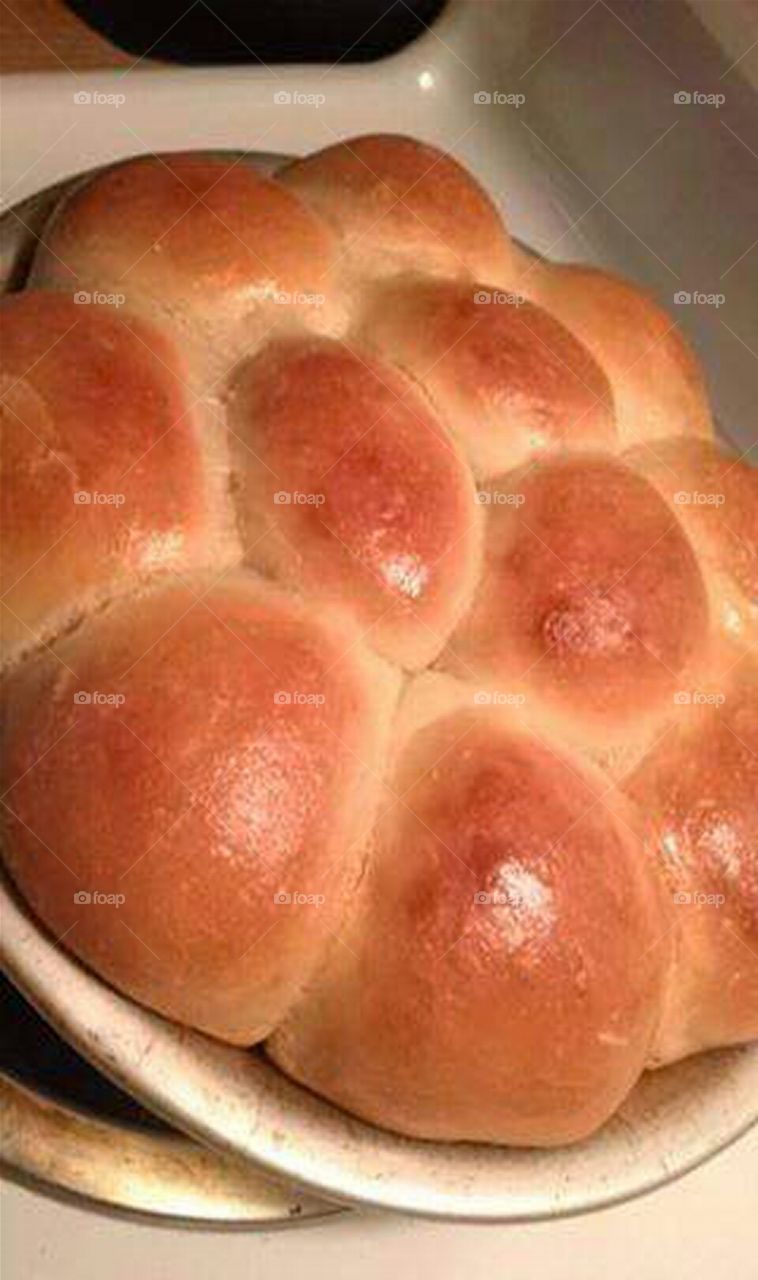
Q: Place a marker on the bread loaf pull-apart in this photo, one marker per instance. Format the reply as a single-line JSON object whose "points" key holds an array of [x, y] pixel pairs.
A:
{"points": [[380, 641]]}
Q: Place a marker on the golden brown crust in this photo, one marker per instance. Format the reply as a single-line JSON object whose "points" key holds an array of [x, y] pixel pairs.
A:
{"points": [[513, 381], [204, 754], [714, 494], [401, 204], [696, 793], [583, 747], [109, 468], [657, 383], [209, 248], [352, 489], [500, 978], [591, 601]]}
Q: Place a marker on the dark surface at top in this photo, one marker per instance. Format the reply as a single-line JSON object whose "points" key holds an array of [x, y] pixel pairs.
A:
{"points": [[268, 31]]}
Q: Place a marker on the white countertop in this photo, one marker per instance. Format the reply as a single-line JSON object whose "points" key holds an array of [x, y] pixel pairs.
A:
{"points": [[704, 1227]]}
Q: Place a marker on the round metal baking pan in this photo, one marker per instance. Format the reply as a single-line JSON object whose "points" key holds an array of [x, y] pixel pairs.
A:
{"points": [[239, 1103], [67, 1131], [154, 1176]]}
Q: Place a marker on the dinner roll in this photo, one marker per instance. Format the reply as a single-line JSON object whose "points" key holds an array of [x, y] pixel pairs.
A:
{"points": [[381, 619], [498, 978], [111, 471], [658, 385], [196, 764]]}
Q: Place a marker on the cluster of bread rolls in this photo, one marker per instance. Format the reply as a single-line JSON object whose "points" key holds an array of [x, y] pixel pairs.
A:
{"points": [[380, 624]]}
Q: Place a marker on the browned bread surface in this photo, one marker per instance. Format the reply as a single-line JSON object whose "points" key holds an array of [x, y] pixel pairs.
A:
{"points": [[380, 622]]}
